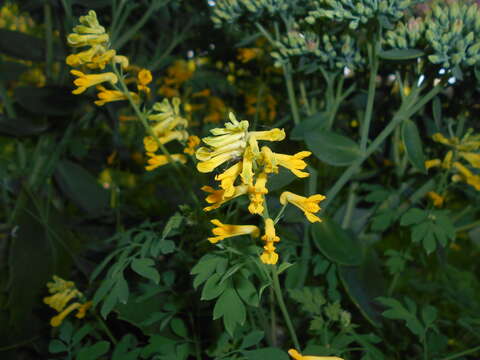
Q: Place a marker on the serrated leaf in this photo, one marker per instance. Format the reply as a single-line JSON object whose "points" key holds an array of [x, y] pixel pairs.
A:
{"points": [[397, 311], [413, 145], [332, 148]]}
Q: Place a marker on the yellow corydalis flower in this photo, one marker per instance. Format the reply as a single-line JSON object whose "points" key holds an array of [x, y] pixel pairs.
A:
{"points": [[105, 96], [192, 142], [144, 78], [257, 193], [155, 160], [247, 54], [62, 293], [294, 163], [297, 356], [85, 81], [217, 197], [269, 256], [436, 198], [309, 205], [223, 231]]}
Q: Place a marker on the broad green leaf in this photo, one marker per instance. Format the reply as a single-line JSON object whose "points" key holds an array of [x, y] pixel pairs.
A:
{"points": [[413, 145], [429, 315], [266, 354], [332, 148], [214, 287], [413, 216], [173, 224], [21, 46], [252, 338], [178, 327], [280, 180], [230, 307], [246, 290], [401, 54], [81, 187], [312, 123], [102, 291], [93, 352], [335, 243], [109, 303], [81, 333], [204, 268], [121, 288], [56, 346], [145, 268]]}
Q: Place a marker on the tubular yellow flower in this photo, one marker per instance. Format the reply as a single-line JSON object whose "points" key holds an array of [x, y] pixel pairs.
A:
{"points": [[472, 158], [82, 310], [57, 320], [228, 177], [223, 231], [432, 163], [144, 78], [467, 175], [257, 193], [247, 54], [269, 256], [160, 160], [150, 144], [101, 60], [122, 60], [192, 142], [85, 81], [297, 356], [436, 198], [294, 163], [218, 198], [106, 96], [309, 205]]}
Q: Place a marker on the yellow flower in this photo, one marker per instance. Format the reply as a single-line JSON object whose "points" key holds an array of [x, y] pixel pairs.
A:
{"points": [[150, 144], [436, 198], [192, 142], [257, 193], [269, 256], [218, 198], [106, 96], [85, 81], [294, 163], [122, 60], [432, 163], [247, 54], [309, 205], [160, 160], [467, 175], [228, 177], [144, 78], [223, 231], [62, 293], [297, 356]]}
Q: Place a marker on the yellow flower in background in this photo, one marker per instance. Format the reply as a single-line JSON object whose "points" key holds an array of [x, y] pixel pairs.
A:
{"points": [[309, 205], [85, 81], [297, 356], [155, 160], [63, 292], [192, 142], [223, 231], [248, 54], [436, 198], [144, 78], [105, 96], [269, 256], [467, 176]]}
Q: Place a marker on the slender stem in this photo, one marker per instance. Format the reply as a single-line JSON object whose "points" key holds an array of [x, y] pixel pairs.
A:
{"points": [[373, 59], [105, 328], [303, 94], [350, 206], [198, 350], [273, 320], [283, 308], [460, 354], [280, 213], [287, 72]]}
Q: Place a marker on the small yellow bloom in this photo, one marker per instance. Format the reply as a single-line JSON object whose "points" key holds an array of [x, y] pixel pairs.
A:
{"points": [[437, 199], [57, 320], [247, 54], [106, 96], [144, 78], [217, 197], [150, 144], [155, 160], [294, 163], [223, 231], [192, 142], [309, 205], [122, 60], [432, 163], [257, 193], [467, 175], [269, 256], [228, 177], [85, 81], [297, 356]]}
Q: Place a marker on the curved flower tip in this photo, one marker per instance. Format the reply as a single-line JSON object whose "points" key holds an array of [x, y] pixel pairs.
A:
{"points": [[297, 356], [223, 231], [85, 81], [309, 205]]}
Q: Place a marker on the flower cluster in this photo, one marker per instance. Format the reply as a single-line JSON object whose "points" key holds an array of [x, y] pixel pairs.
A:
{"points": [[65, 298], [249, 176], [466, 149]]}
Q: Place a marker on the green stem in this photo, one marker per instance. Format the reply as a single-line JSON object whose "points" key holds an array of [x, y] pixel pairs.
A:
{"points": [[373, 60], [283, 308], [460, 354], [273, 320], [303, 94], [468, 226], [350, 206], [291, 93], [280, 213], [105, 328]]}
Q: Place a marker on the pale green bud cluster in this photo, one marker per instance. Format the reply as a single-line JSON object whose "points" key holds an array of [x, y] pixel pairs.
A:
{"points": [[406, 36], [357, 12], [453, 32], [329, 50], [228, 11]]}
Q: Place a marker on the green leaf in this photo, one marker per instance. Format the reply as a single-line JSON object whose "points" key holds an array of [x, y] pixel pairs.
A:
{"points": [[214, 287], [81, 333], [56, 346], [429, 315], [173, 224], [413, 216], [21, 126], [246, 290], [269, 353], [21, 46], [384, 219], [335, 243], [332, 148], [397, 311], [121, 288], [48, 100], [145, 268], [204, 268], [102, 291], [401, 54], [178, 327], [109, 303], [437, 112], [311, 299], [81, 187], [429, 243], [252, 338], [230, 307], [413, 145], [312, 123], [93, 352]]}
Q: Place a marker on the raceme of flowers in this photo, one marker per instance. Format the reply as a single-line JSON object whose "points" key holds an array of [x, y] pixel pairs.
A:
{"points": [[248, 175], [65, 298], [466, 149]]}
